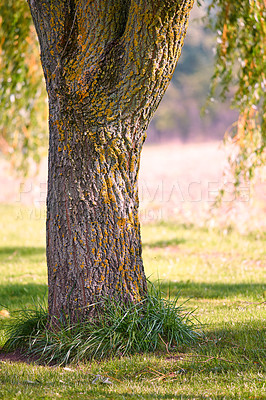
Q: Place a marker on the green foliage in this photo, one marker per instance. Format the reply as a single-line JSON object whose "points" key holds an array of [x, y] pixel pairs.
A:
{"points": [[24, 325], [239, 71], [119, 330], [22, 94]]}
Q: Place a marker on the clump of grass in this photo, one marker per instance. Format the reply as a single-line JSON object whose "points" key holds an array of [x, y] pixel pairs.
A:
{"points": [[24, 325], [152, 324]]}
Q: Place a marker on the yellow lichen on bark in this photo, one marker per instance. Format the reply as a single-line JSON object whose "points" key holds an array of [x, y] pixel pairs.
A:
{"points": [[107, 64]]}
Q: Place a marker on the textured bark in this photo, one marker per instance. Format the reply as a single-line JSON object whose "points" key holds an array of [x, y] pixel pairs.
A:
{"points": [[107, 65]]}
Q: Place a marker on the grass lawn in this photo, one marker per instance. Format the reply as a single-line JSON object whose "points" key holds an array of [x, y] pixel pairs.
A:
{"points": [[221, 272]]}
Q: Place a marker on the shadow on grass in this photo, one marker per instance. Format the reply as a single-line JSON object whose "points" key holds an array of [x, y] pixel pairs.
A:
{"points": [[20, 251], [17, 296], [99, 393], [204, 290], [242, 344], [103, 394], [164, 243]]}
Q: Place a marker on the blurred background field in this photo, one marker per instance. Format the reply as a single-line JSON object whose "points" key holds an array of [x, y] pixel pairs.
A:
{"points": [[177, 181]]}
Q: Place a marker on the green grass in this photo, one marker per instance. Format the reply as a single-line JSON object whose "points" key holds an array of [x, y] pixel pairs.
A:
{"points": [[118, 330], [223, 274]]}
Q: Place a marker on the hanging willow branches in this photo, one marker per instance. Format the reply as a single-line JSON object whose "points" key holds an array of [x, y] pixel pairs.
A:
{"points": [[23, 110], [239, 73]]}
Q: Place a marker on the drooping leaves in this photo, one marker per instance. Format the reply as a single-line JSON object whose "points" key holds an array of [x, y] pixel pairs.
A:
{"points": [[23, 106], [239, 73]]}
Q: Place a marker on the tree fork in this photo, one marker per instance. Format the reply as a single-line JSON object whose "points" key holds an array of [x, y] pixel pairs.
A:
{"points": [[107, 65]]}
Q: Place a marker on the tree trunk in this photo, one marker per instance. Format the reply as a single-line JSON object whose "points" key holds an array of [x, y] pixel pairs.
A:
{"points": [[107, 65]]}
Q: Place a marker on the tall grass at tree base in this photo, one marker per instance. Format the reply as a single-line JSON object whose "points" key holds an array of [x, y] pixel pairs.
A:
{"points": [[153, 324]]}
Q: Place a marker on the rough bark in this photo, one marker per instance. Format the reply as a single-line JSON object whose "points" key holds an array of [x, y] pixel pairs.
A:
{"points": [[107, 65]]}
